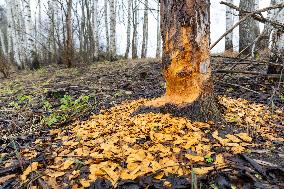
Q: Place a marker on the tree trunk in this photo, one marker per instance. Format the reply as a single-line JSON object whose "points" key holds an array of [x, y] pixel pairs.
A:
{"points": [[249, 29], [229, 23], [266, 33], [159, 41], [135, 32], [277, 49], [112, 47], [95, 29], [106, 25], [129, 17], [69, 40], [28, 32], [185, 26], [145, 31]]}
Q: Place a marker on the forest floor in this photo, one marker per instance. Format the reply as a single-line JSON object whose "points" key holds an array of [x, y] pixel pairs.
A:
{"points": [[79, 127]]}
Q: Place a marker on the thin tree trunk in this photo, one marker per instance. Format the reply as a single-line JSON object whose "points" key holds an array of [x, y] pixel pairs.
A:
{"points": [[135, 24], [95, 29], [185, 26], [112, 8], [69, 40], [249, 29], [129, 18], [145, 31], [159, 41], [229, 23], [106, 25]]}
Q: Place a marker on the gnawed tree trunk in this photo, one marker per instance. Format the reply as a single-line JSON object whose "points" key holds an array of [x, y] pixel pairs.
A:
{"points": [[145, 31], [129, 17], [277, 49], [159, 41], [229, 23], [185, 26], [249, 29]]}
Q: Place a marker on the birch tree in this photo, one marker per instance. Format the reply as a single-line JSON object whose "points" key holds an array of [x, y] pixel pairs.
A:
{"points": [[185, 26], [106, 25], [29, 38], [249, 29], [135, 32], [145, 31], [112, 41], [229, 23], [129, 19]]}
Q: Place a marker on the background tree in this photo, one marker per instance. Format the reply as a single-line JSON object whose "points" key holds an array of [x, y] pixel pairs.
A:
{"points": [[185, 27], [229, 23], [249, 29], [277, 49], [159, 41], [129, 19], [145, 31]]}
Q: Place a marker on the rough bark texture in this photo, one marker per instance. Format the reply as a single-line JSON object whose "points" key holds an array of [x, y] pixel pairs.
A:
{"points": [[229, 23], [249, 29], [277, 48], [185, 26]]}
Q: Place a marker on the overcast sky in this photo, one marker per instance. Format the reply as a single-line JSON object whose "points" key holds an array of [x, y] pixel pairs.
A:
{"points": [[218, 21]]}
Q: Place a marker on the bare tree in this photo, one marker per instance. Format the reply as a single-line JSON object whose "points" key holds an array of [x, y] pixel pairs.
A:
{"points": [[69, 34], [112, 46], [135, 32], [229, 23], [129, 18], [249, 29], [145, 31]]}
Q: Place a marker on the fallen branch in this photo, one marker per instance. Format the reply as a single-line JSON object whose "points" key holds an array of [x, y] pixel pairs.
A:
{"points": [[274, 76], [235, 85]]}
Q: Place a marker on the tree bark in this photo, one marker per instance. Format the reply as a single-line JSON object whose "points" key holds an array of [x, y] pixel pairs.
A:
{"points": [[106, 25], [145, 31], [69, 40], [112, 47], [129, 18], [95, 29], [159, 41], [277, 49], [229, 24], [135, 32], [185, 27], [249, 29]]}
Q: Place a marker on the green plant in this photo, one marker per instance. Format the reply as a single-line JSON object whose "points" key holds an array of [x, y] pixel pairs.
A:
{"points": [[24, 98], [208, 159], [14, 105]]}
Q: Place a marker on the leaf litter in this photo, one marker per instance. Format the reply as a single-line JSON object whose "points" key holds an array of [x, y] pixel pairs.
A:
{"points": [[116, 146]]}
